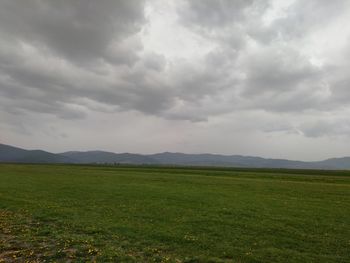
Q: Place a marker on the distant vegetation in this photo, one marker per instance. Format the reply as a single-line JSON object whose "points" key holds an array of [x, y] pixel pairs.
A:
{"points": [[18, 155], [86, 213]]}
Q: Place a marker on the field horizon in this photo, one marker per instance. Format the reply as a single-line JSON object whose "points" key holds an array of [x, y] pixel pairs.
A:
{"points": [[11, 154]]}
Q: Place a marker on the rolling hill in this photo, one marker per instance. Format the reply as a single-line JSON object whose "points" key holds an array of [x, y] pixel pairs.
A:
{"points": [[15, 154], [107, 157]]}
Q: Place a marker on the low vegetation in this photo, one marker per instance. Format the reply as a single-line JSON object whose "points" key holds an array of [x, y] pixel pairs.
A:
{"points": [[73, 213]]}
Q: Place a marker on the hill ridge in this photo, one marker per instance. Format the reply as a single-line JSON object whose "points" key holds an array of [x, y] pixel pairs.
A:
{"points": [[14, 154]]}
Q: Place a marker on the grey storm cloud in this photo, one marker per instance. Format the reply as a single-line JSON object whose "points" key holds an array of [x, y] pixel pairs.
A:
{"points": [[81, 30], [69, 58]]}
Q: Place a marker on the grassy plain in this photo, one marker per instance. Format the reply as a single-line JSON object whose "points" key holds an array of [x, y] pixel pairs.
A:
{"points": [[164, 214]]}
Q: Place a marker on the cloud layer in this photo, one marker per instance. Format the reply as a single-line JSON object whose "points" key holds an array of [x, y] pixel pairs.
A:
{"points": [[258, 67]]}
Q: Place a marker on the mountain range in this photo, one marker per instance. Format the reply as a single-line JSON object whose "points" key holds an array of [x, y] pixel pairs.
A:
{"points": [[11, 154]]}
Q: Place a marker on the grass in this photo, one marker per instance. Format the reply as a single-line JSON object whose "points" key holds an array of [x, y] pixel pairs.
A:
{"points": [[164, 214]]}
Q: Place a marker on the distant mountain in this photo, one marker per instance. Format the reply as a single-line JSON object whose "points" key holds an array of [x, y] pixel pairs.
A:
{"points": [[18, 155], [14, 154], [108, 157], [224, 160], [335, 163]]}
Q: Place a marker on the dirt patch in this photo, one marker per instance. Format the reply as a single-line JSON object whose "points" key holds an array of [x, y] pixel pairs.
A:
{"points": [[23, 239]]}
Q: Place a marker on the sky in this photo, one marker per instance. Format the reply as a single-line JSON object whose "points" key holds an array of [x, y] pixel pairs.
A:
{"points": [[267, 78]]}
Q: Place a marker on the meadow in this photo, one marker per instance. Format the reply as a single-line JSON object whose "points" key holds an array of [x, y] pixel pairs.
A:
{"points": [[86, 213]]}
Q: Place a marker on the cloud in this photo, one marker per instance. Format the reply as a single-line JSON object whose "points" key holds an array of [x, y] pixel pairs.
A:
{"points": [[79, 30], [326, 127], [56, 52], [177, 61]]}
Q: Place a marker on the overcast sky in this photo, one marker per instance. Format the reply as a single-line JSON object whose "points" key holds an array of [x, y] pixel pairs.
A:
{"points": [[267, 78]]}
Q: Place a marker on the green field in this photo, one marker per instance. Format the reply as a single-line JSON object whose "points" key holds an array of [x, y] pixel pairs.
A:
{"points": [[158, 214]]}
